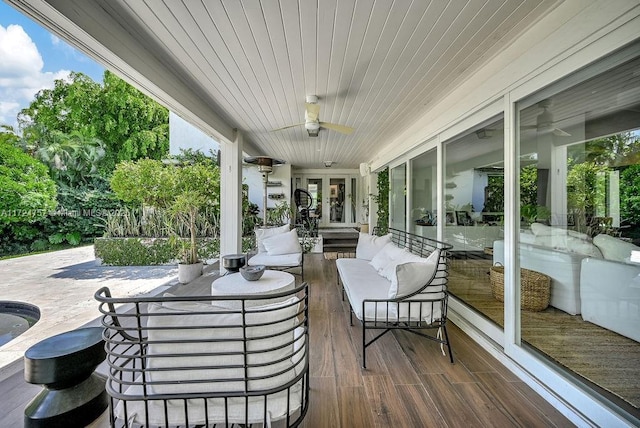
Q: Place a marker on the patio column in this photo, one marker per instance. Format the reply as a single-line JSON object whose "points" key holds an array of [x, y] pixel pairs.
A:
{"points": [[231, 197]]}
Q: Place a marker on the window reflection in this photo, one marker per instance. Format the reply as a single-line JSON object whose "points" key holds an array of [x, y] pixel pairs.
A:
{"points": [[474, 214], [398, 197], [424, 213], [580, 225]]}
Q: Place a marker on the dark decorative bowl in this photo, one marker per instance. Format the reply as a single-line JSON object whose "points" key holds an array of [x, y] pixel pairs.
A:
{"points": [[252, 273]]}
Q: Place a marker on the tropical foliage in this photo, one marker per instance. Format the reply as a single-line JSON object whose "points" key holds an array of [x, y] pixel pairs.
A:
{"points": [[182, 189], [76, 132], [28, 193], [382, 199], [127, 123]]}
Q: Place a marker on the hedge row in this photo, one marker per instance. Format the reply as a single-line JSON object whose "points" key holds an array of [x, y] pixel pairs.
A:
{"points": [[152, 251]]}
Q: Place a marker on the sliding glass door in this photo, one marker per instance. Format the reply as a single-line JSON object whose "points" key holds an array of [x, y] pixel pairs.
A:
{"points": [[580, 224]]}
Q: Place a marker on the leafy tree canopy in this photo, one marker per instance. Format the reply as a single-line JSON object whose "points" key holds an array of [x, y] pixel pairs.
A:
{"points": [[28, 193], [153, 183], [128, 124]]}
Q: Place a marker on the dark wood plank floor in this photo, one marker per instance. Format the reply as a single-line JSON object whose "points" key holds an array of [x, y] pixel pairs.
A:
{"points": [[408, 382]]}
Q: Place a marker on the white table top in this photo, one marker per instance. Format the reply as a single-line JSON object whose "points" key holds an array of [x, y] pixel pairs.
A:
{"points": [[272, 281]]}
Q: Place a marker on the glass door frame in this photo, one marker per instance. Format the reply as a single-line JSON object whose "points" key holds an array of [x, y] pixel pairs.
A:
{"points": [[325, 220]]}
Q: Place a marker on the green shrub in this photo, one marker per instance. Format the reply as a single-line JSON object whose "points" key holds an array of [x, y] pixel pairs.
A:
{"points": [[146, 252]]}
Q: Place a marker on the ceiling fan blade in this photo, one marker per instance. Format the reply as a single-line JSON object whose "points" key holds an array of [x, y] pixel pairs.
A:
{"points": [[339, 128], [560, 133], [312, 112], [287, 127]]}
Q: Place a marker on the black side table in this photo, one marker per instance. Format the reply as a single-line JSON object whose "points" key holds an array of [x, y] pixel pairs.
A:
{"points": [[233, 262], [73, 395]]}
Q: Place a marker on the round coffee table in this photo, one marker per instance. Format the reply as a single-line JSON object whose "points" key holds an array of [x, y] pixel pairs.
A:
{"points": [[272, 281], [64, 365]]}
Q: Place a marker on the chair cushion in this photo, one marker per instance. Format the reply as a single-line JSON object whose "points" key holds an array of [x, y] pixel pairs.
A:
{"points": [[369, 245], [283, 260], [264, 233], [284, 243], [191, 341]]}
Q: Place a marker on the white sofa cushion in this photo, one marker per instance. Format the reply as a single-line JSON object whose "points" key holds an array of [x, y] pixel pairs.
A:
{"points": [[561, 239], [540, 229], [610, 296], [369, 245], [361, 281], [614, 248], [264, 233], [284, 243], [410, 276], [283, 260], [579, 246], [216, 334]]}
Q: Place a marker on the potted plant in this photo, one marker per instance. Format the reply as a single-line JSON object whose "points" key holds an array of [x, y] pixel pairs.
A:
{"points": [[185, 207], [192, 190]]}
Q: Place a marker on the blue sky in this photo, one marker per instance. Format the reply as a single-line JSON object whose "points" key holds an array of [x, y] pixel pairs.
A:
{"points": [[31, 59]]}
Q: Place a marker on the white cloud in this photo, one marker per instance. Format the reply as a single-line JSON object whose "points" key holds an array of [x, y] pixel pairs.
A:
{"points": [[21, 75]]}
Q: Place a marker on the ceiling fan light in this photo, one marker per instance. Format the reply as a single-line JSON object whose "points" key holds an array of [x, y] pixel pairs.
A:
{"points": [[312, 128]]}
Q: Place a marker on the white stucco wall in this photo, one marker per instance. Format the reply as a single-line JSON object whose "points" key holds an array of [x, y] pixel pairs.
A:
{"points": [[183, 135]]}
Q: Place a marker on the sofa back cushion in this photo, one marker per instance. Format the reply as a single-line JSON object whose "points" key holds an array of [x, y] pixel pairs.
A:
{"points": [[385, 256], [369, 245], [284, 243], [264, 233], [613, 248], [195, 347]]}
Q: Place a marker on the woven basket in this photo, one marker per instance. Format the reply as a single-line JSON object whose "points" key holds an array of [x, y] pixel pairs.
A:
{"points": [[534, 288]]}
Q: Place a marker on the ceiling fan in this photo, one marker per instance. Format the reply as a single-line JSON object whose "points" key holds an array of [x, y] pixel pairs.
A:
{"points": [[545, 122], [312, 121]]}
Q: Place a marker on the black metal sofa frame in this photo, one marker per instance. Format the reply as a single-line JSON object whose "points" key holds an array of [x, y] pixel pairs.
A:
{"points": [[420, 312], [203, 360]]}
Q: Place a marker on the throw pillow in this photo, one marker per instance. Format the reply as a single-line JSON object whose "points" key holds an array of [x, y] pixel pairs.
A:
{"points": [[285, 243], [412, 276], [369, 245], [262, 234], [397, 258], [614, 248]]}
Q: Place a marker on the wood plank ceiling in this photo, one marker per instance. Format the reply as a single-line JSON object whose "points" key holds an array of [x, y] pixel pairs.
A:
{"points": [[376, 66]]}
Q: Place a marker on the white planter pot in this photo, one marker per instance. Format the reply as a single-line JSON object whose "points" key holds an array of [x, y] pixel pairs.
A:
{"points": [[189, 272]]}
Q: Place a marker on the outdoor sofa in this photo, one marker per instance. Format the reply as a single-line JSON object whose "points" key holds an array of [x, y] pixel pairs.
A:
{"points": [[397, 281], [203, 360]]}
